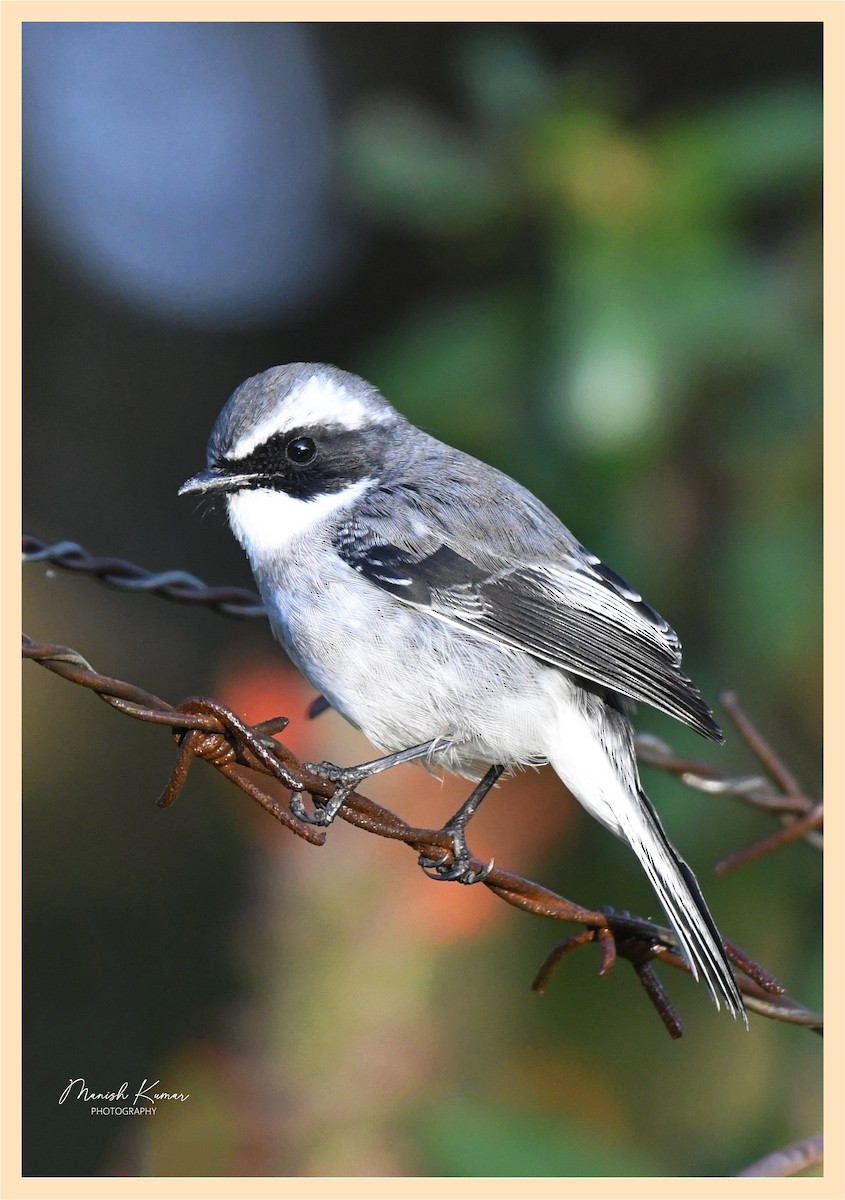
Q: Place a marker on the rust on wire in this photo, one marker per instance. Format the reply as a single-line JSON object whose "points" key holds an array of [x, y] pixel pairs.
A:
{"points": [[800, 816], [778, 791], [207, 729], [790, 832]]}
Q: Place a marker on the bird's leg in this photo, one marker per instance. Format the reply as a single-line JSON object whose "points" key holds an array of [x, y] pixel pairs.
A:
{"points": [[348, 779], [459, 868]]}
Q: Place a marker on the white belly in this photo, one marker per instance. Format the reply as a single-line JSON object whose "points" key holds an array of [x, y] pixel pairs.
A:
{"points": [[405, 677], [400, 674]]}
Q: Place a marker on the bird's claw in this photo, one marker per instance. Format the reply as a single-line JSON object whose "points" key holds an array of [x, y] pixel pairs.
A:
{"points": [[459, 870], [325, 810]]}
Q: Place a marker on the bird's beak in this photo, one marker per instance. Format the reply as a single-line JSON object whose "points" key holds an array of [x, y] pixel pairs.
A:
{"points": [[212, 480], [215, 479]]}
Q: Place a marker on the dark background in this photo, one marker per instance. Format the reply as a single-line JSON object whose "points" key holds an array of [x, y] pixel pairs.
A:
{"points": [[587, 253]]}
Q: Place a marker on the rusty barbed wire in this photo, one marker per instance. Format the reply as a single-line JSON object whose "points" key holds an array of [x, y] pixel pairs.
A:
{"points": [[207, 729], [778, 791], [211, 731]]}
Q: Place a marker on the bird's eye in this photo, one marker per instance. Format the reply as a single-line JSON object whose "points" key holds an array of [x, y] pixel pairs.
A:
{"points": [[301, 450]]}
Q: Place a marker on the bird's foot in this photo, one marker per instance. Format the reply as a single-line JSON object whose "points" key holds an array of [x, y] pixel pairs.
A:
{"points": [[325, 810], [460, 869]]}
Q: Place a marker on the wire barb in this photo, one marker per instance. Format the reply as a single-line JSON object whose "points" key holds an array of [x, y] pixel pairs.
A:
{"points": [[205, 728], [786, 799], [778, 791]]}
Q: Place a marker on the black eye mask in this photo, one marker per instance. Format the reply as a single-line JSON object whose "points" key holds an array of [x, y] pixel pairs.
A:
{"points": [[306, 463]]}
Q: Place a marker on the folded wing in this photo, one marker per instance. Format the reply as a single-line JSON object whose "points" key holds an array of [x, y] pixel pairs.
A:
{"points": [[575, 614]]}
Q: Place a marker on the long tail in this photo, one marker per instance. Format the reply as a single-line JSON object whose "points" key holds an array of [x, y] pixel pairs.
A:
{"points": [[592, 751], [678, 891]]}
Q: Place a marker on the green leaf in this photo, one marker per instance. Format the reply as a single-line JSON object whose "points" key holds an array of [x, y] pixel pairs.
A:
{"points": [[408, 167], [754, 146]]}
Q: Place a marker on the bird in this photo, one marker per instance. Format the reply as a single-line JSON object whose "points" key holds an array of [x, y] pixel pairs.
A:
{"points": [[448, 614]]}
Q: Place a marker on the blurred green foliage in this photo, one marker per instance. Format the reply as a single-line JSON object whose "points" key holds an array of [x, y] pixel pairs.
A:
{"points": [[477, 1138]]}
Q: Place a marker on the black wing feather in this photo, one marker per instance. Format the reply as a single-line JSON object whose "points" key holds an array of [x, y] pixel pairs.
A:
{"points": [[579, 616]]}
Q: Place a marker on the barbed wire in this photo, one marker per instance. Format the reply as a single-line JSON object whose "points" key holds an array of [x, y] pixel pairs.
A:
{"points": [[799, 816], [128, 576], [207, 729]]}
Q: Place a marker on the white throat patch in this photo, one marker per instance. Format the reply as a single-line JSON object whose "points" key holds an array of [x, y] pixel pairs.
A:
{"points": [[267, 522], [318, 401]]}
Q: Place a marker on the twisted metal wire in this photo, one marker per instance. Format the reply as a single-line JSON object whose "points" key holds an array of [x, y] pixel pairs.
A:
{"points": [[799, 815], [129, 577], [207, 729]]}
